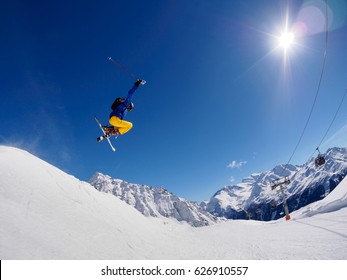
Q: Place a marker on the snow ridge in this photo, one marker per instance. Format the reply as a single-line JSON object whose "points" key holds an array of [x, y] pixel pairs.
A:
{"points": [[154, 202]]}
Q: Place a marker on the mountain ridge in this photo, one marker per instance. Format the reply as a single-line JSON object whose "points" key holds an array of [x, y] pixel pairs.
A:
{"points": [[254, 197], [151, 201]]}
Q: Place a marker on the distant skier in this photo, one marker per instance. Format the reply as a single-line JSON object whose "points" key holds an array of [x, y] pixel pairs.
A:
{"points": [[120, 107]]}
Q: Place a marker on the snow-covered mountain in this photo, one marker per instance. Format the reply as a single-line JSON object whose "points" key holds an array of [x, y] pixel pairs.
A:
{"points": [[254, 198], [154, 201], [48, 214]]}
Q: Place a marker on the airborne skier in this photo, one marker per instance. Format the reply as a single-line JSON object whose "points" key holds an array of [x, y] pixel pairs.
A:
{"points": [[120, 107]]}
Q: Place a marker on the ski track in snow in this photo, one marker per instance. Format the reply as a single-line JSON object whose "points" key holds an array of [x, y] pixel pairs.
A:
{"points": [[48, 214]]}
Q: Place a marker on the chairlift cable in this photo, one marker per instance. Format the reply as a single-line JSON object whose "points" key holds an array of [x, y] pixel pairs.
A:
{"points": [[318, 88], [333, 120], [317, 91], [330, 125], [319, 83]]}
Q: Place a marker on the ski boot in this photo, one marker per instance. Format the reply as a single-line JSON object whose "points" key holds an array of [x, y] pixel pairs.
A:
{"points": [[112, 132], [109, 131]]}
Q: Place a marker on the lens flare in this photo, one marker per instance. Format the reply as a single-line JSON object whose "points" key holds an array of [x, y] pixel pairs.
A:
{"points": [[286, 40]]}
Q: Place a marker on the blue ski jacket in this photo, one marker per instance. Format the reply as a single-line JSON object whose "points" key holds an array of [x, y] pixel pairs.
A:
{"points": [[121, 110]]}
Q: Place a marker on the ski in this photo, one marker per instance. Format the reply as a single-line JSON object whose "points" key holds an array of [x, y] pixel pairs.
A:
{"points": [[104, 133]]}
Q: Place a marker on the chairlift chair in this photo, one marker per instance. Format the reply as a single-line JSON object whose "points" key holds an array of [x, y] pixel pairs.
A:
{"points": [[320, 160]]}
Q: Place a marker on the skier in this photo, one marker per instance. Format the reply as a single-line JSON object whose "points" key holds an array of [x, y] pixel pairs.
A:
{"points": [[120, 107]]}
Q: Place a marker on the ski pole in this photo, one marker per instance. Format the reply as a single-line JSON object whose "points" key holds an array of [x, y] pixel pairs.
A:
{"points": [[123, 68]]}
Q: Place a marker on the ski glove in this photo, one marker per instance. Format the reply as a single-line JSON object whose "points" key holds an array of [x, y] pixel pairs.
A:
{"points": [[138, 82]]}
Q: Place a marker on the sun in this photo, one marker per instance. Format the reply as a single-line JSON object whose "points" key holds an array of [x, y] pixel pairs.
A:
{"points": [[286, 40]]}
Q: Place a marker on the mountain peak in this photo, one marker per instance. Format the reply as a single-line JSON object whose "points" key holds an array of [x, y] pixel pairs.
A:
{"points": [[255, 196], [155, 202]]}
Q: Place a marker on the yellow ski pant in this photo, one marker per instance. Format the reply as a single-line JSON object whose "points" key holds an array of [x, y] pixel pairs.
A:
{"points": [[121, 125]]}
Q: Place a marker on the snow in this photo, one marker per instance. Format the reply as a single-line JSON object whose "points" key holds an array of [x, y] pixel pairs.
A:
{"points": [[307, 184], [48, 214], [152, 201], [336, 200]]}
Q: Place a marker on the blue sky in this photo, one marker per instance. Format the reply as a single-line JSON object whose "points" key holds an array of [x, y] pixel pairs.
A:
{"points": [[221, 102]]}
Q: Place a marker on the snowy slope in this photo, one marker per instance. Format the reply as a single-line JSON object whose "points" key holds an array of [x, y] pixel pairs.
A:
{"points": [[336, 200], [154, 202], [48, 214]]}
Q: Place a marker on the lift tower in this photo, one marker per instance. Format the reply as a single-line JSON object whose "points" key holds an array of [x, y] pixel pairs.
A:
{"points": [[279, 183]]}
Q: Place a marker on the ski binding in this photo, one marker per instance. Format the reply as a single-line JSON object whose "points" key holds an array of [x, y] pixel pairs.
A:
{"points": [[103, 136]]}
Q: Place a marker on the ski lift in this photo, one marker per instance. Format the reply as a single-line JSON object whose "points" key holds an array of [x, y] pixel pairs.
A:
{"points": [[320, 160], [279, 182]]}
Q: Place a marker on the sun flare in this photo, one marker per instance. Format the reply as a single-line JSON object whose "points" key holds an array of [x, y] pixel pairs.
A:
{"points": [[286, 40]]}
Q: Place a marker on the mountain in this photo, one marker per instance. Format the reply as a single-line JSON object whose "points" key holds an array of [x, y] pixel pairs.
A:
{"points": [[154, 201], [254, 198], [48, 214]]}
